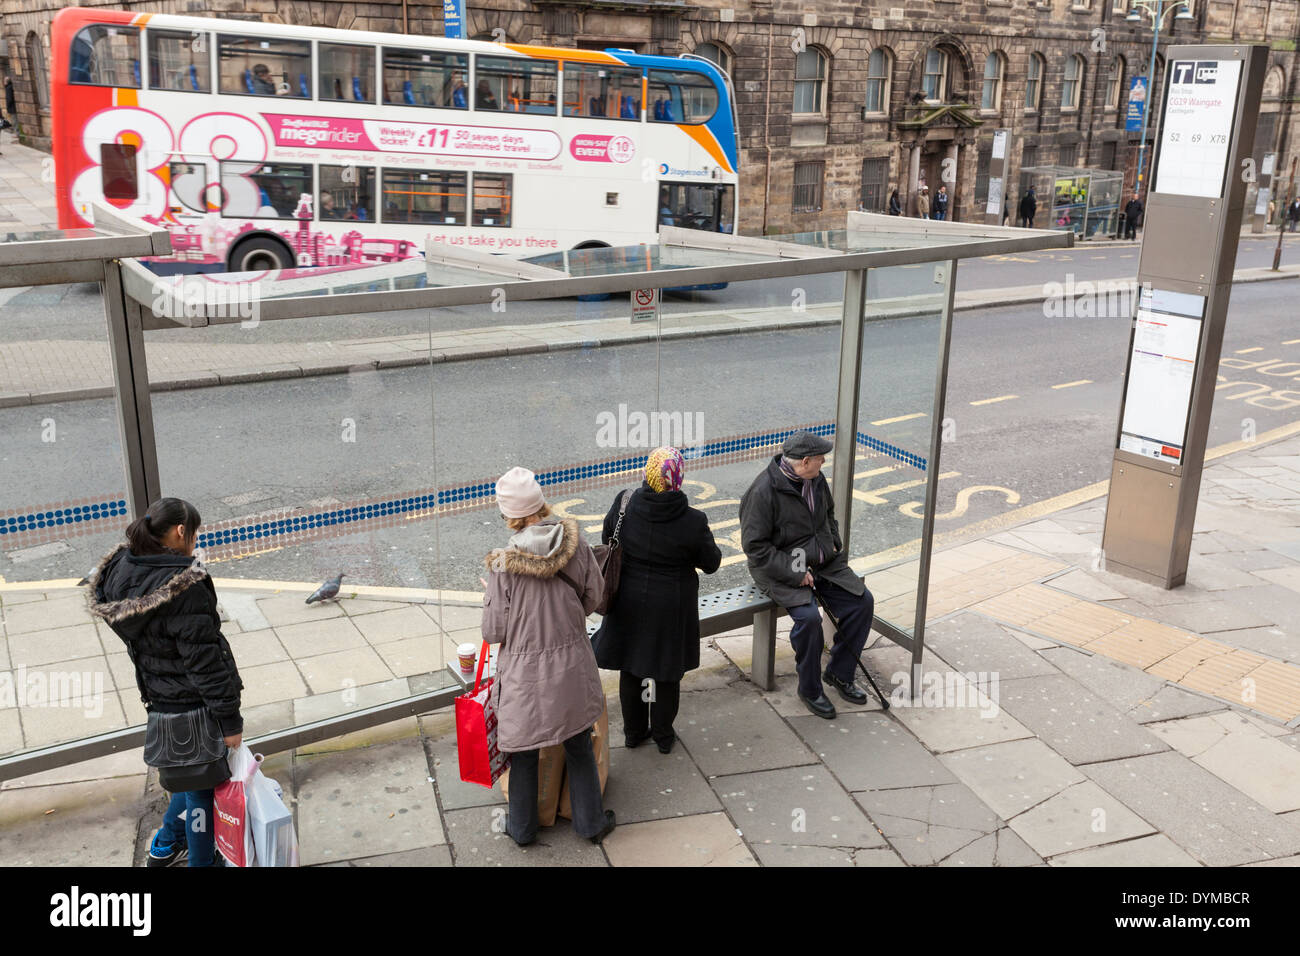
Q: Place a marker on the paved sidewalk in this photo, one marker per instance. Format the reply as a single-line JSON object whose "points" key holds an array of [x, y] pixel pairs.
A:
{"points": [[40, 371], [1068, 716], [26, 188]]}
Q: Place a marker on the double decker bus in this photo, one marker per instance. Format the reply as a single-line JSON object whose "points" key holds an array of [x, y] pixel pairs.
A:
{"points": [[262, 146]]}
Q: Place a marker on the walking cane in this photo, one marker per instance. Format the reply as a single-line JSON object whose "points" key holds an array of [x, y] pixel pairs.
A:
{"points": [[884, 702]]}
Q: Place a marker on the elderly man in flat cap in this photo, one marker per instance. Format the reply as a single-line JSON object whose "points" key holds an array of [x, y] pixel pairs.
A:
{"points": [[792, 541]]}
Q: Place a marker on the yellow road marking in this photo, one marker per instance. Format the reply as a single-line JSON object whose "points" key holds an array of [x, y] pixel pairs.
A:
{"points": [[1038, 509], [1292, 342], [1257, 348], [990, 401], [913, 508], [900, 418], [1082, 381], [875, 495], [874, 471]]}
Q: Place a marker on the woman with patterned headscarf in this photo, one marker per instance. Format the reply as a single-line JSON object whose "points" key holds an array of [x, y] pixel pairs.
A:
{"points": [[652, 631]]}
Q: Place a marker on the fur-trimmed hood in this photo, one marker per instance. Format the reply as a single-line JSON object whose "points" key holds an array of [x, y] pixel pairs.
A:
{"points": [[124, 586], [541, 550]]}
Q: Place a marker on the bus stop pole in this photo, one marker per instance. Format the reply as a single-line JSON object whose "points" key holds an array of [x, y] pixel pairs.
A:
{"points": [[131, 392], [1282, 216]]}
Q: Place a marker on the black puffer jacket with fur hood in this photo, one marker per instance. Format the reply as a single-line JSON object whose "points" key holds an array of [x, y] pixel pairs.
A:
{"points": [[164, 608]]}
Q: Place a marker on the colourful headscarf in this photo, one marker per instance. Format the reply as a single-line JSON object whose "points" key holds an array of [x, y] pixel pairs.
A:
{"points": [[664, 469]]}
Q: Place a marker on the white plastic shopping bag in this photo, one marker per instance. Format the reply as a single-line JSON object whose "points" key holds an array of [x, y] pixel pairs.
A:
{"points": [[253, 826], [274, 841]]}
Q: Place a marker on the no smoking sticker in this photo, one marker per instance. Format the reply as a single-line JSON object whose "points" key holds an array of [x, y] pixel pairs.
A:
{"points": [[645, 305]]}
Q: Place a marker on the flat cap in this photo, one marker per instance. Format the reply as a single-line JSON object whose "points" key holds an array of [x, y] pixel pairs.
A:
{"points": [[805, 445]]}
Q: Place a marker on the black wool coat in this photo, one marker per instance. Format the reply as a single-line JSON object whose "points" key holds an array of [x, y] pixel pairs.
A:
{"points": [[653, 626], [774, 521], [165, 611]]}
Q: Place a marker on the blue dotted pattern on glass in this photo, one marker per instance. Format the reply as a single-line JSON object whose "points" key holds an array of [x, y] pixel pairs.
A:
{"points": [[893, 451], [451, 496], [62, 516]]}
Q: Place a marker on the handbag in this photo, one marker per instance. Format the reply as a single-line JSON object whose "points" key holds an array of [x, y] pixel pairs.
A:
{"points": [[481, 761], [609, 558], [189, 739]]}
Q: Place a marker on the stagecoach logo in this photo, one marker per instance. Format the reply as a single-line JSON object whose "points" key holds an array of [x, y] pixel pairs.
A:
{"points": [[591, 148], [666, 170]]}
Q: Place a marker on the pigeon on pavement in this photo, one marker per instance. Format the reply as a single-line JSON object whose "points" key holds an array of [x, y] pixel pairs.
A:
{"points": [[328, 590]]}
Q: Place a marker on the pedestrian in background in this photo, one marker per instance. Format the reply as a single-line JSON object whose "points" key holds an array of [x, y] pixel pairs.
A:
{"points": [[651, 634], [923, 203], [163, 606], [895, 207], [539, 591], [1132, 217], [1028, 207], [1293, 213], [941, 203]]}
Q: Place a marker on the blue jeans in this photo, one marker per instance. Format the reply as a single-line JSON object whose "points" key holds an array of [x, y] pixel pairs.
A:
{"points": [[940, 213], [196, 808]]}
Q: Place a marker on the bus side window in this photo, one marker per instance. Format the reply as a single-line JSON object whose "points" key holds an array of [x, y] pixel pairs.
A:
{"points": [[346, 71], [599, 89], [119, 170], [516, 84], [277, 67], [103, 55], [174, 64], [681, 96], [425, 78], [346, 193]]}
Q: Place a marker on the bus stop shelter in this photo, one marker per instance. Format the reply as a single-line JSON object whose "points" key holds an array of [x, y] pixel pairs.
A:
{"points": [[844, 332]]}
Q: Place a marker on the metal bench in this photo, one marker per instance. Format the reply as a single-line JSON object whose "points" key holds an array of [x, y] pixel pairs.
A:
{"points": [[727, 610]]}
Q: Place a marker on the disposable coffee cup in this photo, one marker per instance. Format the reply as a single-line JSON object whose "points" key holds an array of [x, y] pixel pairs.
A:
{"points": [[466, 653]]}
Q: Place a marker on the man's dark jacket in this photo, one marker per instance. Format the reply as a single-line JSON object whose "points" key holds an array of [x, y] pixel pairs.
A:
{"points": [[164, 608], [774, 520], [1133, 212], [1028, 206]]}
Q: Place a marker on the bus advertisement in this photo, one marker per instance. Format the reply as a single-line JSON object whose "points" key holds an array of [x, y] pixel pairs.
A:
{"points": [[262, 146]]}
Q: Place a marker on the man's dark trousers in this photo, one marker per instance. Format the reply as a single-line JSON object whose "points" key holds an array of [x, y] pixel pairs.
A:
{"points": [[854, 614]]}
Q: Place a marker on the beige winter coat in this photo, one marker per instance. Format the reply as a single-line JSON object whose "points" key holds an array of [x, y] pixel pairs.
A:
{"points": [[923, 205], [547, 684]]}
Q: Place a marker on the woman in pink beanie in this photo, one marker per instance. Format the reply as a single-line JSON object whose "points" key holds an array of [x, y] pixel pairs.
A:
{"points": [[540, 589]]}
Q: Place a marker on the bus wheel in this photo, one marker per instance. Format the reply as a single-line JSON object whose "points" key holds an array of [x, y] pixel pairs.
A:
{"points": [[260, 255]]}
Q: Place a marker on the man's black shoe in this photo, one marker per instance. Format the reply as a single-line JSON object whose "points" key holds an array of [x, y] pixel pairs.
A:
{"points": [[848, 690], [822, 706]]}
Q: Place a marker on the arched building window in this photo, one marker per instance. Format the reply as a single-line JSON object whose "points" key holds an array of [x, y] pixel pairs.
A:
{"points": [[1072, 82], [1034, 83], [810, 69], [716, 54], [991, 95], [1115, 84], [880, 67], [934, 75], [36, 69]]}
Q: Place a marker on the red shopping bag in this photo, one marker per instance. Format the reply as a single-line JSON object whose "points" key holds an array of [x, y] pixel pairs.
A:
{"points": [[476, 732], [232, 829]]}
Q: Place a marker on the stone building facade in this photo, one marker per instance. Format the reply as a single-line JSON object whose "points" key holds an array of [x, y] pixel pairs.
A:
{"points": [[836, 101]]}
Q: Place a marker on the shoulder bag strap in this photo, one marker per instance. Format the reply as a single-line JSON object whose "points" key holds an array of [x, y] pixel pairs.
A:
{"points": [[622, 510]]}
